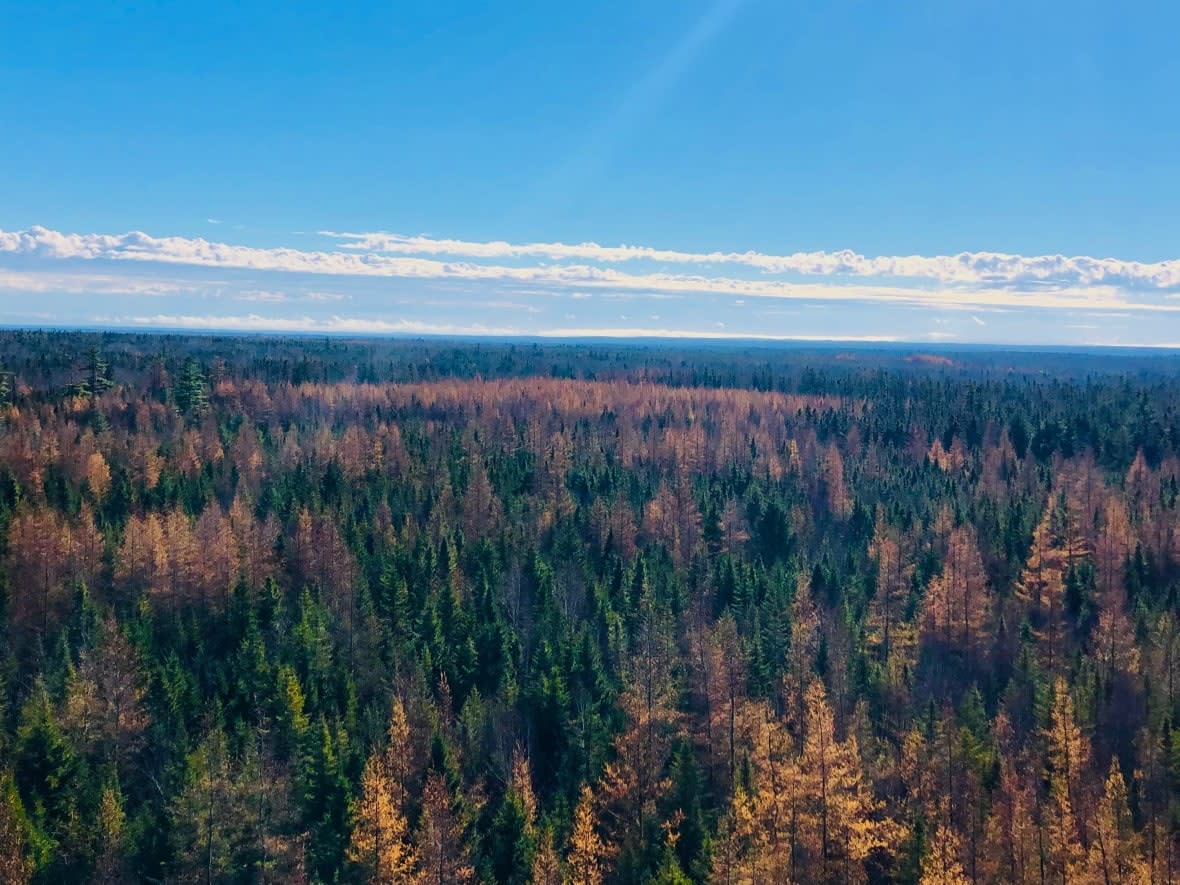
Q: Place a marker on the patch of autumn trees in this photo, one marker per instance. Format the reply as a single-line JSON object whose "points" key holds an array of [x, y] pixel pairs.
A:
{"points": [[268, 618]]}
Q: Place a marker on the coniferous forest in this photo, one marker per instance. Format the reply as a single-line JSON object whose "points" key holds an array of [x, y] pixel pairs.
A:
{"points": [[350, 611]]}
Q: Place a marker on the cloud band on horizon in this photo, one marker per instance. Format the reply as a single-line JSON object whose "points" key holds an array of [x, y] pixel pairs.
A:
{"points": [[967, 280], [396, 284], [994, 268]]}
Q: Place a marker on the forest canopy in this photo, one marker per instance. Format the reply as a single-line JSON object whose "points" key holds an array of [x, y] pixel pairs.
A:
{"points": [[343, 610]]}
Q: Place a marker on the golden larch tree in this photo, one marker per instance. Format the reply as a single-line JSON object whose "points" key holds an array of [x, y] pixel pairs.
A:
{"points": [[735, 853], [894, 571], [635, 781], [801, 653], [104, 707], [1041, 589], [775, 805], [841, 822], [98, 475], [444, 855], [379, 844], [1115, 856], [546, 864], [835, 487], [586, 862], [48, 556], [1067, 759], [1012, 844], [941, 865], [959, 602]]}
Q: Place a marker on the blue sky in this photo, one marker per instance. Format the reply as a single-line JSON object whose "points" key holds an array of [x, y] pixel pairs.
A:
{"points": [[966, 171]]}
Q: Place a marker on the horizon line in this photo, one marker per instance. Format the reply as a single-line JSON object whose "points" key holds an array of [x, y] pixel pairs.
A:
{"points": [[801, 342]]}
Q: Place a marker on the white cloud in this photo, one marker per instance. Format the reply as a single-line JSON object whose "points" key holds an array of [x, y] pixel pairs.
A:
{"points": [[41, 282], [993, 268], [256, 323], [363, 326], [950, 282], [262, 295], [615, 332]]}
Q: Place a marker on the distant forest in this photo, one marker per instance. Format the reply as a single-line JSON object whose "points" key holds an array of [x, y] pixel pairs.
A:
{"points": [[330, 610]]}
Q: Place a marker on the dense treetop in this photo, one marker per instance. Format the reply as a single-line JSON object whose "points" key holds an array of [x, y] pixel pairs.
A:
{"points": [[336, 610]]}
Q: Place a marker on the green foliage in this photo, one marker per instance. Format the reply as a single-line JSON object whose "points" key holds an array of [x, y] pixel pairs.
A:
{"points": [[289, 541]]}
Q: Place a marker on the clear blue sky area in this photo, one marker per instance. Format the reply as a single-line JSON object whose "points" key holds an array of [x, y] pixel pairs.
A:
{"points": [[890, 129]]}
